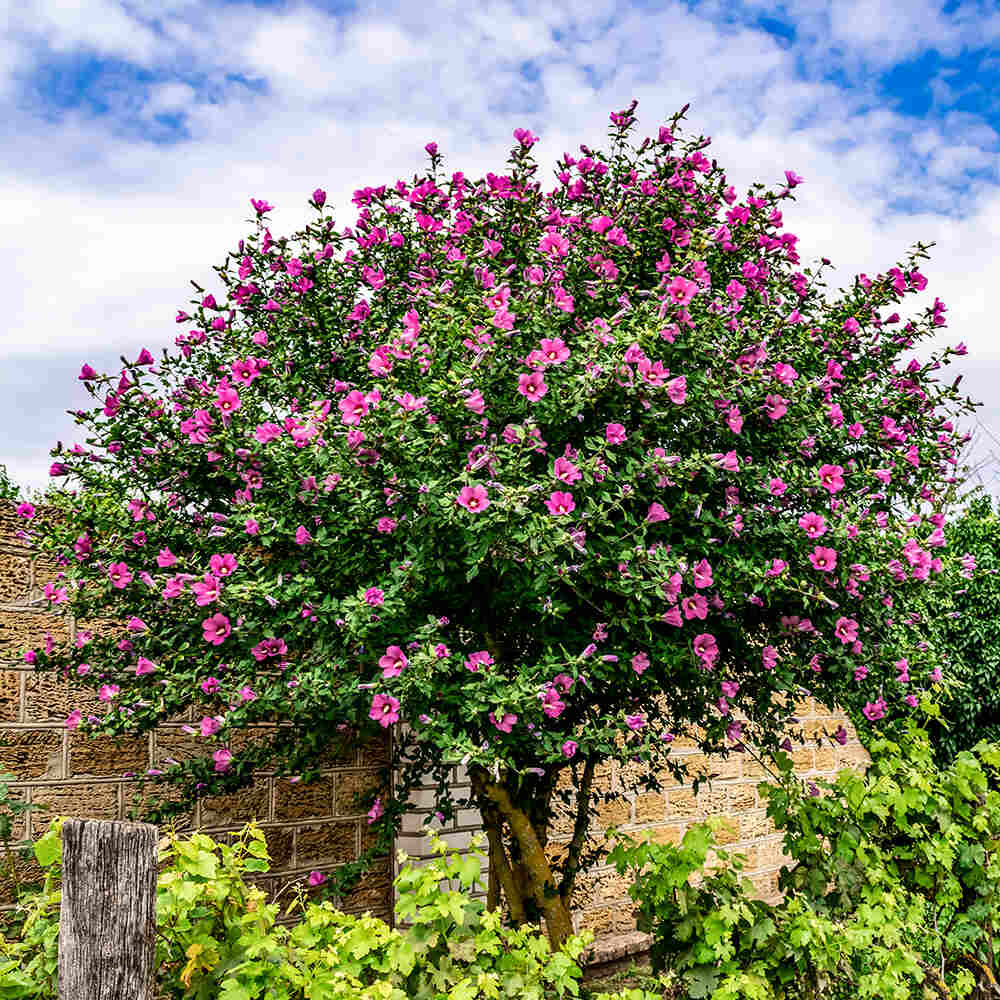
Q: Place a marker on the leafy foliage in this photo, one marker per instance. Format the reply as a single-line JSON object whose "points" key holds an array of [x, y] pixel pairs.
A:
{"points": [[9, 490], [551, 478], [970, 631], [218, 938], [894, 886]]}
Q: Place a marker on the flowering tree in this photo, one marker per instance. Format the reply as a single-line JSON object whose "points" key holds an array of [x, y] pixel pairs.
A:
{"points": [[549, 479]]}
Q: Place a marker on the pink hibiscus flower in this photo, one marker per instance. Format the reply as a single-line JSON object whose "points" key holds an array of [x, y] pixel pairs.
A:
{"points": [[532, 386], [119, 575], [223, 565], [695, 606], [814, 525], [554, 351], [706, 648], [703, 575], [353, 407], [473, 498], [823, 559], [216, 629], [832, 477], [506, 723], [566, 471], [393, 662], [560, 503], [846, 630], [384, 710]]}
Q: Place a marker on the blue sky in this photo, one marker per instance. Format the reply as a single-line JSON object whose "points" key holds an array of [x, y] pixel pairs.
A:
{"points": [[136, 133]]}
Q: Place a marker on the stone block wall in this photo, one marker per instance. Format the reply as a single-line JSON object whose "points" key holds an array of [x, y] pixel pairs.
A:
{"points": [[315, 826], [601, 900]]}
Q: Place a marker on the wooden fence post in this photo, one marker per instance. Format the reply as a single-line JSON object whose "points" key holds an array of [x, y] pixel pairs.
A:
{"points": [[107, 923]]}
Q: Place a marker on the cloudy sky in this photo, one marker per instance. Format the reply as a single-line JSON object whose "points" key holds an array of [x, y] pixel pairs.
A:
{"points": [[135, 134]]}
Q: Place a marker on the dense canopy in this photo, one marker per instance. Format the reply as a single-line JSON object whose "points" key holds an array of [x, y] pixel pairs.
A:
{"points": [[551, 478]]}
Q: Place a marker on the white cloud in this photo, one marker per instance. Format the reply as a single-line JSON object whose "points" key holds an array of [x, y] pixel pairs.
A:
{"points": [[169, 98], [103, 230], [101, 26]]}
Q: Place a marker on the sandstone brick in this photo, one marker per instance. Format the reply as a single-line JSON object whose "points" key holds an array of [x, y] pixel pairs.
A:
{"points": [[726, 768], [754, 824], [100, 626], [556, 852], [83, 801], [10, 523], [584, 891], [296, 800], [741, 796], [771, 854], [104, 756], [682, 804], [326, 844], [373, 893], [766, 884], [258, 736], [49, 698], [351, 785], [813, 729], [31, 753], [728, 831], [666, 834], [15, 572], [751, 769], [374, 753], [650, 808], [607, 885], [561, 824], [683, 743], [10, 695], [175, 744], [713, 799], [137, 802], [238, 807], [600, 920], [803, 709], [855, 757], [280, 846], [613, 813], [21, 629], [45, 569]]}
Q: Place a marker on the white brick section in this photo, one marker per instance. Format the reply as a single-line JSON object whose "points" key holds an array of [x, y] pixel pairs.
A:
{"points": [[457, 832]]}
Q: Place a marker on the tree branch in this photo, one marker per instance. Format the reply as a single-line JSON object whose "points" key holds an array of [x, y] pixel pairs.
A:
{"points": [[580, 827]]}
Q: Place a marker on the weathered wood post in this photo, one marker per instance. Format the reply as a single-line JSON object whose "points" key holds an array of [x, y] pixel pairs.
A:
{"points": [[107, 923]]}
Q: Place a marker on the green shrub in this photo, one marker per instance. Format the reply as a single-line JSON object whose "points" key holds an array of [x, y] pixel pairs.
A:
{"points": [[893, 892], [219, 938], [970, 631]]}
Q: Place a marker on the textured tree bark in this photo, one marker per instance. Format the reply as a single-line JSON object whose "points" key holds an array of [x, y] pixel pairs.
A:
{"points": [[558, 922], [107, 922]]}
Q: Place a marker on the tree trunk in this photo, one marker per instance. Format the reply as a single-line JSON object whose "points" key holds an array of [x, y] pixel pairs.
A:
{"points": [[537, 871], [107, 921]]}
